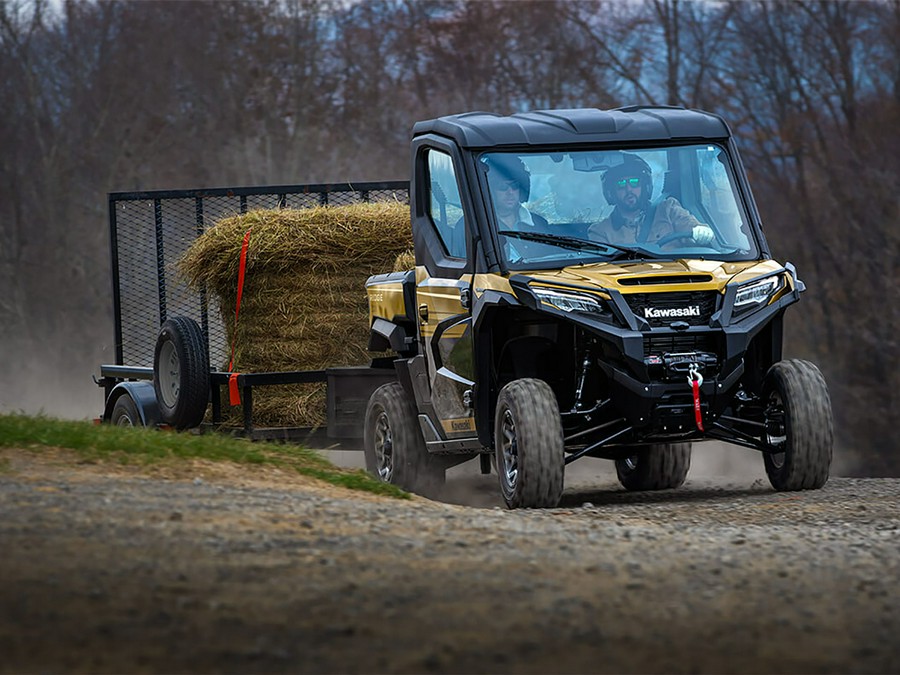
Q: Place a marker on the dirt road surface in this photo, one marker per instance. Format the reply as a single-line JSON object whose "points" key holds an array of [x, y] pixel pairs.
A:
{"points": [[226, 569]]}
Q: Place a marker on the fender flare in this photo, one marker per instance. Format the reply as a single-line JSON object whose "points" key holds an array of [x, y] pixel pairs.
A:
{"points": [[386, 335], [144, 397]]}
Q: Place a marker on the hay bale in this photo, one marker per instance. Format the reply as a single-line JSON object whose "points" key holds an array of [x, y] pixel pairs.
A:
{"points": [[304, 301], [405, 261]]}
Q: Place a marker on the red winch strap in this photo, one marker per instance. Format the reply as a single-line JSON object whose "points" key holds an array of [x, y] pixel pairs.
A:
{"points": [[698, 413], [233, 392]]}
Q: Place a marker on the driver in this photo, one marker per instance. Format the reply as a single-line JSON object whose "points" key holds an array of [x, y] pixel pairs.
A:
{"points": [[634, 219]]}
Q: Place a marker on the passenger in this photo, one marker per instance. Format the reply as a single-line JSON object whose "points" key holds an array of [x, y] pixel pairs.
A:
{"points": [[510, 185], [634, 219]]}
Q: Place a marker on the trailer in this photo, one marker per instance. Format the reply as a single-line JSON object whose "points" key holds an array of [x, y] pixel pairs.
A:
{"points": [[149, 231]]}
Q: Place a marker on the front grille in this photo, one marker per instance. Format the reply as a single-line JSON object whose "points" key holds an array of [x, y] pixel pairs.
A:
{"points": [[662, 309], [678, 343]]}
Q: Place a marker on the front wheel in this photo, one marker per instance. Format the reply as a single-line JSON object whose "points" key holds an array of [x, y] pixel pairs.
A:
{"points": [[799, 425], [529, 445], [394, 448], [661, 466]]}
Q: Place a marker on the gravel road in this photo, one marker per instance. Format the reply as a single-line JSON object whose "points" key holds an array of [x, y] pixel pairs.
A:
{"points": [[226, 569]]}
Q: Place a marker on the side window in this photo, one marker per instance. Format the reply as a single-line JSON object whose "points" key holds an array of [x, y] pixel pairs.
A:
{"points": [[444, 203]]}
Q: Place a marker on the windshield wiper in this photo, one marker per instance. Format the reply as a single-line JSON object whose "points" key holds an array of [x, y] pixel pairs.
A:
{"points": [[580, 244], [633, 253]]}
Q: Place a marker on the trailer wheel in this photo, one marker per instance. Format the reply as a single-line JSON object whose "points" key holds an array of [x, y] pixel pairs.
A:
{"points": [[661, 466], [125, 413], [181, 373], [394, 448], [798, 422], [529, 445]]}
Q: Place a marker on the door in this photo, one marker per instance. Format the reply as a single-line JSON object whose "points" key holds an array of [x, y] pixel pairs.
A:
{"points": [[443, 292]]}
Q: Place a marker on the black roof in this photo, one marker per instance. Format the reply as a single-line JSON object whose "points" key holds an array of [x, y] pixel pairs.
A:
{"points": [[583, 125]]}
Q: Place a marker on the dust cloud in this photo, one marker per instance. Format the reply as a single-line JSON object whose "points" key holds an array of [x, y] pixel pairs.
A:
{"points": [[38, 384], [712, 463]]}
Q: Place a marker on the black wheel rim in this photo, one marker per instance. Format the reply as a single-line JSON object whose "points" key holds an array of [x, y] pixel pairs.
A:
{"points": [[509, 451], [384, 447], [630, 463], [776, 432]]}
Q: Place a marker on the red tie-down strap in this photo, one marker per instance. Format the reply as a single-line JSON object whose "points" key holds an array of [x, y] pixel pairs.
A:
{"points": [[234, 395], [696, 379]]}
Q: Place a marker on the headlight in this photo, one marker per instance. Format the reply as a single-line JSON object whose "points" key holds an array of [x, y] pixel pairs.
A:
{"points": [[756, 294], [571, 302]]}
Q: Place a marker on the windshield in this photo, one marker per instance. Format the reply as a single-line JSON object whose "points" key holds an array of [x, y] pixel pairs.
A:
{"points": [[554, 209]]}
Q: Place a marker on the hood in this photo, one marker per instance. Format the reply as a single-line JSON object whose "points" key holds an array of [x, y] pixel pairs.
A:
{"points": [[658, 275]]}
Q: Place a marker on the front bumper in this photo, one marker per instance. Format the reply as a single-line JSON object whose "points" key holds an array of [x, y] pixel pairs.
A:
{"points": [[668, 407], [645, 366]]}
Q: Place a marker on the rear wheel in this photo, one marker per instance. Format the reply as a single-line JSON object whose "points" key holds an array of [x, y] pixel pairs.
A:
{"points": [[529, 445], [125, 413], [661, 466], [799, 424], [181, 373], [394, 448]]}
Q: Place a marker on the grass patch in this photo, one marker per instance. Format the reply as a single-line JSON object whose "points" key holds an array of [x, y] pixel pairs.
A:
{"points": [[127, 445]]}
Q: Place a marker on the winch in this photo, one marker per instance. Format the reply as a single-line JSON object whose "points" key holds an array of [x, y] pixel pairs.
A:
{"points": [[671, 367]]}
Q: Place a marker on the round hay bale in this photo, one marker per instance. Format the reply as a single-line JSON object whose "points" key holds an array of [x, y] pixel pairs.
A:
{"points": [[304, 304]]}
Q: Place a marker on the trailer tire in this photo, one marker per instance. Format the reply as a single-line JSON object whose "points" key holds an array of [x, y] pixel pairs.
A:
{"points": [[529, 445], [394, 448], [661, 466], [125, 413], [798, 418], [181, 373]]}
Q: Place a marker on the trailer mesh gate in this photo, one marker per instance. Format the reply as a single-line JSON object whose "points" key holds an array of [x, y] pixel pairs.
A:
{"points": [[150, 231]]}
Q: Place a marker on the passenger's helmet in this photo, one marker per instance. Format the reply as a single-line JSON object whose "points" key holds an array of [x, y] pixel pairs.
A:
{"points": [[631, 166], [505, 167]]}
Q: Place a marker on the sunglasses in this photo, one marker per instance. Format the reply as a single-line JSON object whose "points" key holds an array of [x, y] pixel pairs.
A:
{"points": [[504, 186], [628, 182]]}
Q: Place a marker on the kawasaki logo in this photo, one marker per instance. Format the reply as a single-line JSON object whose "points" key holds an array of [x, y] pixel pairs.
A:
{"points": [[653, 313]]}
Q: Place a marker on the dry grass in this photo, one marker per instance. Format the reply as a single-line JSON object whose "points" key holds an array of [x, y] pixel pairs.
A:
{"points": [[405, 261], [304, 301]]}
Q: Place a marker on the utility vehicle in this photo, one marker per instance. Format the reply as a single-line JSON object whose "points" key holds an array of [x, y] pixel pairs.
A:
{"points": [[575, 329]]}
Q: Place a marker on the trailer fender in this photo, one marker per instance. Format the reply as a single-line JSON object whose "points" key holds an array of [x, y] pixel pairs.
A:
{"points": [[144, 398]]}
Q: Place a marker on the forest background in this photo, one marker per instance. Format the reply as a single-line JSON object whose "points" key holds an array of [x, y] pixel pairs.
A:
{"points": [[112, 96]]}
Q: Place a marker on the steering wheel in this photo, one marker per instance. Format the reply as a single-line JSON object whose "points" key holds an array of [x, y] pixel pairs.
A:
{"points": [[675, 236]]}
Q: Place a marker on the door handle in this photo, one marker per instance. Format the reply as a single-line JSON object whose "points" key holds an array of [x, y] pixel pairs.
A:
{"points": [[465, 298], [423, 312]]}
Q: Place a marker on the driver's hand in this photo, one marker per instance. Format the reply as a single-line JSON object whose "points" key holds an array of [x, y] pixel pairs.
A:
{"points": [[703, 234]]}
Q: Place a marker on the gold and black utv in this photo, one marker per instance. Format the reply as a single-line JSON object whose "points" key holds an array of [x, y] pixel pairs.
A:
{"points": [[587, 283]]}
